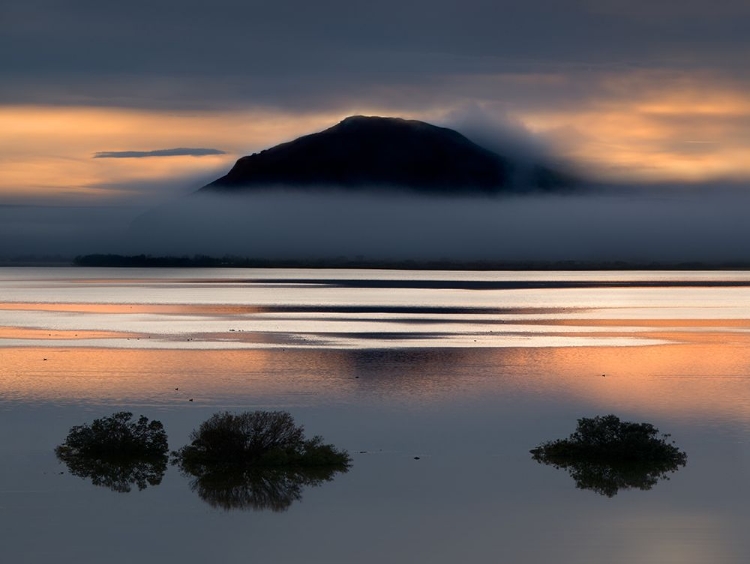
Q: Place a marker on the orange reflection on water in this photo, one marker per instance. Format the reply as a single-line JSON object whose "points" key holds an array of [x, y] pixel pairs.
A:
{"points": [[706, 378], [26, 333], [157, 376], [674, 323]]}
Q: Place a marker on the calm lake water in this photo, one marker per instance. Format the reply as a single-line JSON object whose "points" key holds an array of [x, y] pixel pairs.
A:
{"points": [[438, 384]]}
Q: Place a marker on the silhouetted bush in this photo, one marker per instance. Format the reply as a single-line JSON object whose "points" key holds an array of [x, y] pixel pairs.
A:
{"points": [[257, 439], [256, 460], [606, 438], [116, 452], [606, 455]]}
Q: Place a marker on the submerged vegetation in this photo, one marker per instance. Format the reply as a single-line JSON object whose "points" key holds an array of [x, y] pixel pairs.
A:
{"points": [[256, 460], [116, 452], [606, 455]]}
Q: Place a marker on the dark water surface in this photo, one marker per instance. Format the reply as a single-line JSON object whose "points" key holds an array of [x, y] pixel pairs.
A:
{"points": [[466, 371]]}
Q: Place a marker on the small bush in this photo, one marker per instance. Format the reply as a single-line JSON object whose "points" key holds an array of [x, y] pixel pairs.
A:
{"points": [[606, 455], [115, 437], [116, 452], [256, 460], [259, 439], [606, 438]]}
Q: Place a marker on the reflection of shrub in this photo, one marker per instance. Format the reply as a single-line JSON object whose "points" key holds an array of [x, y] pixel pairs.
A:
{"points": [[258, 489], [116, 452], [119, 474], [605, 455], [257, 439], [256, 460]]}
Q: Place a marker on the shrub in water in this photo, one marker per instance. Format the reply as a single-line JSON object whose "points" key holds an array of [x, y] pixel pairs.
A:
{"points": [[256, 460], [606, 455], [117, 452], [257, 439]]}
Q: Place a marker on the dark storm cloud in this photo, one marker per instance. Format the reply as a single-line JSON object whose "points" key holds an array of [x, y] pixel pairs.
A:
{"points": [[179, 152], [298, 54]]}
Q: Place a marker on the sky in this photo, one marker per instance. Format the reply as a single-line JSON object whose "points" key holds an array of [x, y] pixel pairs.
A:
{"points": [[133, 103]]}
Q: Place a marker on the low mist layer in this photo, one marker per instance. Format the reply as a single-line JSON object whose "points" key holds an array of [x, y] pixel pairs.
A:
{"points": [[707, 225]]}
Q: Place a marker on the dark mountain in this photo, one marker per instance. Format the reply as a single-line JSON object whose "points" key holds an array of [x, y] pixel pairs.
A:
{"points": [[376, 152]]}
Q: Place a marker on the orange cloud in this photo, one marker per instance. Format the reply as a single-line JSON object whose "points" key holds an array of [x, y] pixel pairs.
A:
{"points": [[655, 126], [48, 151], [632, 125]]}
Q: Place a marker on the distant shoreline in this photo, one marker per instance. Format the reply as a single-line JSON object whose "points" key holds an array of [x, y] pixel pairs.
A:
{"points": [[202, 261]]}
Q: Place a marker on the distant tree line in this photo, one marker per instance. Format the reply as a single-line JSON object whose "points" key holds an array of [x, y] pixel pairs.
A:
{"points": [[232, 261], [156, 261]]}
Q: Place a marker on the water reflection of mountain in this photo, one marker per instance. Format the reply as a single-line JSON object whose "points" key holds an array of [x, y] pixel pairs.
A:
{"points": [[118, 474], [273, 489]]}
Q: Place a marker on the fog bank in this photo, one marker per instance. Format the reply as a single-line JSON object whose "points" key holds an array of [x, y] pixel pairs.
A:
{"points": [[707, 225], [704, 226]]}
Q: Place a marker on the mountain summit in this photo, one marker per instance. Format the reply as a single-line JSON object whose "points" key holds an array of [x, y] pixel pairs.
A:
{"points": [[381, 152]]}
